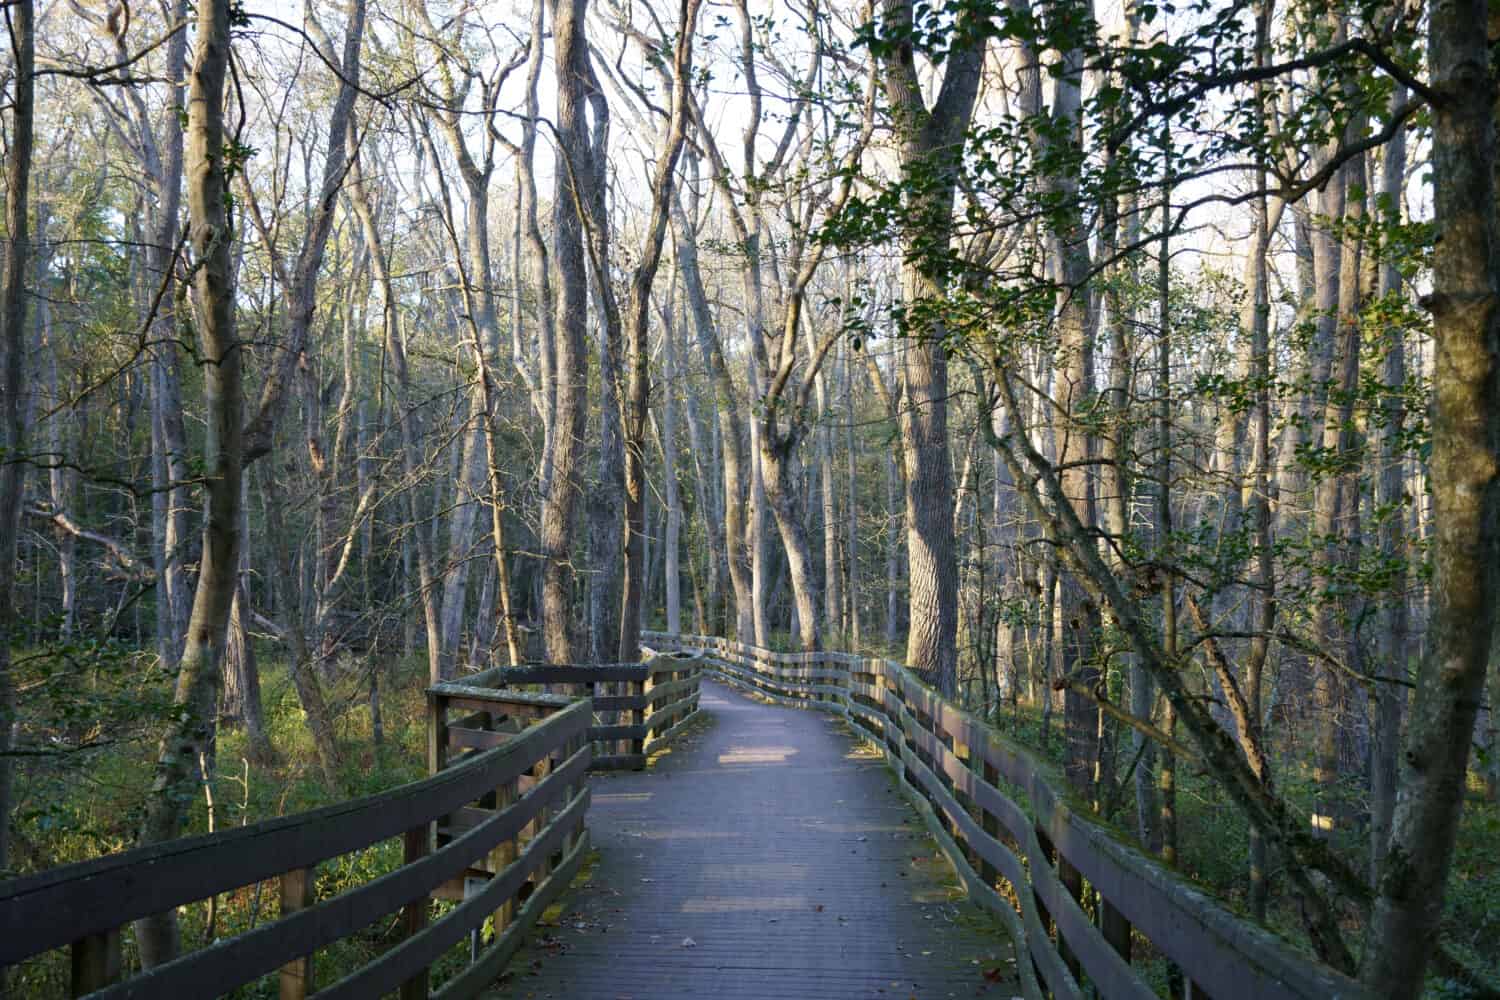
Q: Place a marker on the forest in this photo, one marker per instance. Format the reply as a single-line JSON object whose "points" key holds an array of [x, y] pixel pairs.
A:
{"points": [[1130, 369]]}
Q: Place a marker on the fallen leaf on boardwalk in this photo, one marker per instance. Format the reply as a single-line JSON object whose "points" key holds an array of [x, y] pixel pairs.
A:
{"points": [[818, 908], [689, 943]]}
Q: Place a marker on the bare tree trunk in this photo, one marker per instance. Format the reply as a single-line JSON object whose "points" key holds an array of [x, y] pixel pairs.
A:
{"points": [[783, 491], [833, 592], [1390, 497], [189, 732], [894, 522], [1465, 306], [172, 502], [606, 545], [851, 507], [241, 698], [931, 147], [1079, 617], [60, 479], [1336, 519], [1167, 776], [637, 319], [755, 530], [730, 422], [22, 23], [461, 541], [672, 571], [559, 504]]}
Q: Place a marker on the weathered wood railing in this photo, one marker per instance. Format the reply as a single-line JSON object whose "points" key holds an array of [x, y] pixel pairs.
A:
{"points": [[499, 827], [638, 707], [955, 768]]}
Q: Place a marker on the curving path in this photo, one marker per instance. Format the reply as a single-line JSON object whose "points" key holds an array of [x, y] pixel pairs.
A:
{"points": [[765, 856]]}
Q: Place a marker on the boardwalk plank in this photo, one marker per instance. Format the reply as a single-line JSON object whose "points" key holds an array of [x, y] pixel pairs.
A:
{"points": [[789, 860]]}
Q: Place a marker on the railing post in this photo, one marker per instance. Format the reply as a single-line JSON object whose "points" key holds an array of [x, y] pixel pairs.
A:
{"points": [[96, 962], [638, 719], [1115, 928], [1072, 880], [297, 894], [414, 846], [988, 821], [503, 855], [437, 735], [965, 754]]}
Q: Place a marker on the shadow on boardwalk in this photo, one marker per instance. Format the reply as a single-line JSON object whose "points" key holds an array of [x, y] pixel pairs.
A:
{"points": [[767, 856]]}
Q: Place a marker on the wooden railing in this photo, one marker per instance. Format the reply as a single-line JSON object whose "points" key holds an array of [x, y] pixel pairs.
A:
{"points": [[498, 827], [638, 707], [954, 768]]}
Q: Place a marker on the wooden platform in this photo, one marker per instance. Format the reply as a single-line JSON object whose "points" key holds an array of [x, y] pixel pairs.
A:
{"points": [[766, 856]]}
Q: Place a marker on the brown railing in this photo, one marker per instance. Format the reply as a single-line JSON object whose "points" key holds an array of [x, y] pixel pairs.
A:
{"points": [[638, 707], [498, 827], [953, 767]]}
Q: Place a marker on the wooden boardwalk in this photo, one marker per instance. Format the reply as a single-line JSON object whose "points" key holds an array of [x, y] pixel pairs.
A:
{"points": [[766, 856]]}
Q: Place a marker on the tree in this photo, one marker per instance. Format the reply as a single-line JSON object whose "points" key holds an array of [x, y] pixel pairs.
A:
{"points": [[932, 141], [21, 25], [1465, 307], [208, 176]]}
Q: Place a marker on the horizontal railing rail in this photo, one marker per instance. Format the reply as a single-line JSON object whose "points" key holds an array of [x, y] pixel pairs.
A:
{"points": [[954, 767], [501, 831], [638, 707]]}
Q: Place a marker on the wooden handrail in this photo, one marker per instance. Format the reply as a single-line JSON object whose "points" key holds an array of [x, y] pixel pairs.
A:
{"points": [[952, 764], [85, 905], [658, 699]]}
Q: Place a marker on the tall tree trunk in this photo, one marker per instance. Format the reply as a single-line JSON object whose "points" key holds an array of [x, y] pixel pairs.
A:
{"points": [[1167, 776], [1390, 499], [851, 507], [559, 504], [731, 424], [188, 733], [241, 697], [1465, 306], [1056, 140], [60, 479], [173, 472], [461, 541], [783, 490], [637, 319], [931, 148], [670, 490], [22, 21], [1336, 518], [833, 591], [895, 519], [755, 529]]}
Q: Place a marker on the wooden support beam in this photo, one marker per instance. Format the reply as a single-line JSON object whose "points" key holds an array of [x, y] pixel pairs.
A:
{"points": [[96, 962], [415, 844], [297, 894], [1115, 927]]}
